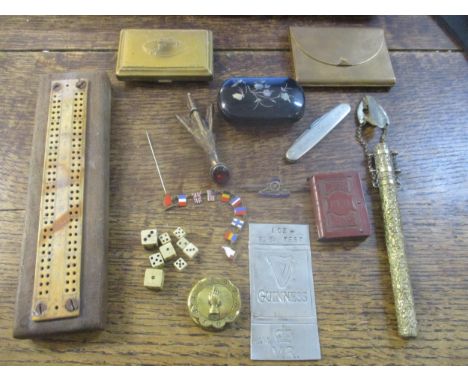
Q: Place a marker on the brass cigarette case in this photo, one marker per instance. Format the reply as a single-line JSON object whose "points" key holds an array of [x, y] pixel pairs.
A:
{"points": [[340, 57], [165, 55]]}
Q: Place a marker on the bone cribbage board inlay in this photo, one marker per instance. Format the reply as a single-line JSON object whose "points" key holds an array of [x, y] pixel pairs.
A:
{"points": [[63, 274], [58, 260]]}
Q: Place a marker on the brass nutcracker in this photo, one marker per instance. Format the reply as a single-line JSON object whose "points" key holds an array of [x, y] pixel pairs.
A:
{"points": [[383, 172]]}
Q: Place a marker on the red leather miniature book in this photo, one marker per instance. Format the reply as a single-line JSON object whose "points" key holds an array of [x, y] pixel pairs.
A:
{"points": [[339, 205]]}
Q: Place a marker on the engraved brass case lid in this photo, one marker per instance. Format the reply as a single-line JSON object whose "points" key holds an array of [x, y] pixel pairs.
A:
{"points": [[165, 55], [214, 302]]}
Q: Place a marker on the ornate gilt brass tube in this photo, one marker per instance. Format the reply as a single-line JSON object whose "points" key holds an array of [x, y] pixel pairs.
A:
{"points": [[402, 291]]}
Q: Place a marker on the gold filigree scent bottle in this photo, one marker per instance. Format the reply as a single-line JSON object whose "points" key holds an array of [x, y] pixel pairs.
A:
{"points": [[381, 166]]}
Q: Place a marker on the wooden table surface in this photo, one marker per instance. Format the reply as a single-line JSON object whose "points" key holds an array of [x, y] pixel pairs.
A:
{"points": [[357, 325]]}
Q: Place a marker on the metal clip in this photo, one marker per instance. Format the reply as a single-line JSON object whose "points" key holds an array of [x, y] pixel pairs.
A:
{"points": [[371, 113]]}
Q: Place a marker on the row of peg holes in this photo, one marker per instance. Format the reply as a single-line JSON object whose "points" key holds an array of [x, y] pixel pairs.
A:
{"points": [[49, 197], [74, 197]]}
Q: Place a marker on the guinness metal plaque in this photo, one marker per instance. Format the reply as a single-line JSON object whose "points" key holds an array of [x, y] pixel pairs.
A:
{"points": [[283, 314]]}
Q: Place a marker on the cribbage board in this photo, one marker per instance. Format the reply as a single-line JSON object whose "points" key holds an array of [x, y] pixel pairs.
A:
{"points": [[62, 286]]}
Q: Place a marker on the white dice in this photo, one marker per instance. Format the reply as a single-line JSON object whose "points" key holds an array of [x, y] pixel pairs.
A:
{"points": [[149, 238], [156, 260], [164, 238], [180, 264], [167, 251], [182, 243], [190, 251], [154, 279], [179, 233]]}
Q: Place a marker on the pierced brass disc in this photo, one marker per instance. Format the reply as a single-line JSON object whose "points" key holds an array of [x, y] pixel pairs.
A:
{"points": [[214, 302]]}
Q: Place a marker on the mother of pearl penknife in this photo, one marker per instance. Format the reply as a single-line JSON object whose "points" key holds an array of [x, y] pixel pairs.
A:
{"points": [[317, 131]]}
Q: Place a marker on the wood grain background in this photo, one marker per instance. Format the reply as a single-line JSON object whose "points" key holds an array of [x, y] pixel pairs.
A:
{"points": [[428, 111]]}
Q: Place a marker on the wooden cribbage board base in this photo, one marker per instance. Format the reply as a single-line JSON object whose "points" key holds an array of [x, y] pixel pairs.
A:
{"points": [[62, 285]]}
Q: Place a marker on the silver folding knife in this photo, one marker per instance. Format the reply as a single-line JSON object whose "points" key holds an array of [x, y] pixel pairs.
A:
{"points": [[317, 131]]}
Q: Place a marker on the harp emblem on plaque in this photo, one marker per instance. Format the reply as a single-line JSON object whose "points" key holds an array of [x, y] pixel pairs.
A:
{"points": [[282, 267]]}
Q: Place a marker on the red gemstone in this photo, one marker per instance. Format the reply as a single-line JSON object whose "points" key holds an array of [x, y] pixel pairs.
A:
{"points": [[220, 173]]}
